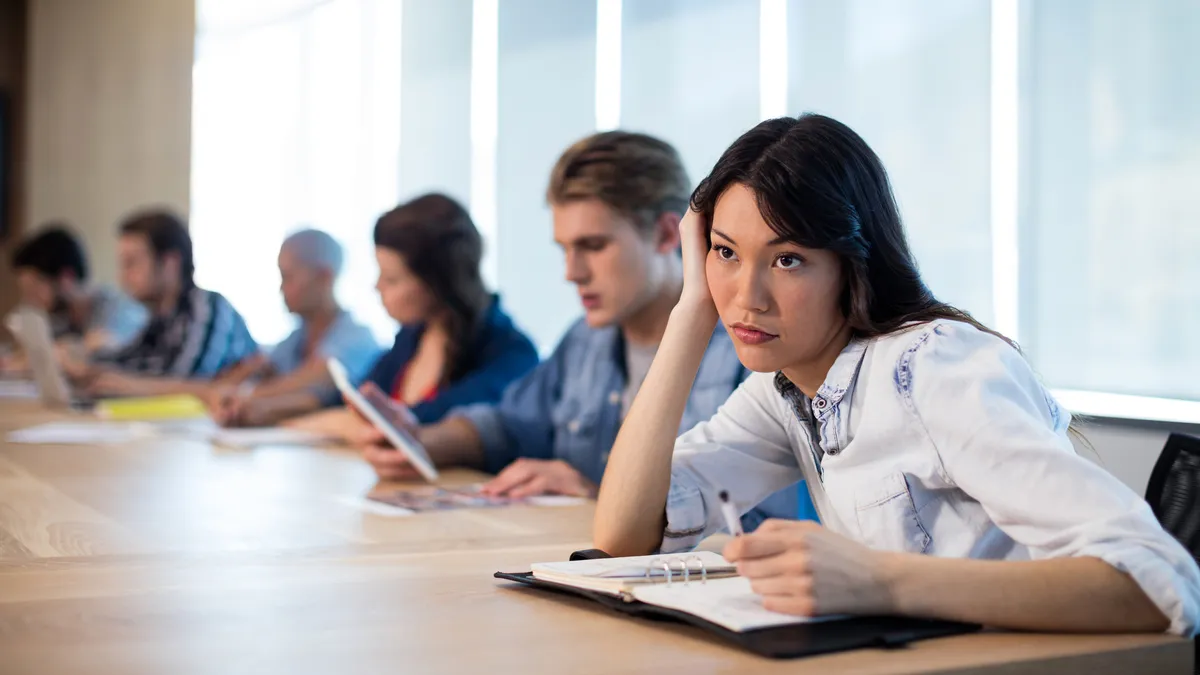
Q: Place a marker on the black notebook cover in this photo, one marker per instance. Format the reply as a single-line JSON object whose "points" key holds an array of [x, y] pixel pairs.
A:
{"points": [[778, 642]]}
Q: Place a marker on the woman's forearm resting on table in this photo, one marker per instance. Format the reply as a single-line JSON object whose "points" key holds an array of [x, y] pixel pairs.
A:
{"points": [[1081, 594], [630, 509]]}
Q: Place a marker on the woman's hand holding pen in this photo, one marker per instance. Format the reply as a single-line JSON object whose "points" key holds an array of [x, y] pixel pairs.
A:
{"points": [[799, 567]]}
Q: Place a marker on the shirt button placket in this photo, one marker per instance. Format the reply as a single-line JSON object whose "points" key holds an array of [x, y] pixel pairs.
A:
{"points": [[820, 403]]}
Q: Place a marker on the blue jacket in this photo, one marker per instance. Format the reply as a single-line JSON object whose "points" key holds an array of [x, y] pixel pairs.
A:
{"points": [[500, 354]]}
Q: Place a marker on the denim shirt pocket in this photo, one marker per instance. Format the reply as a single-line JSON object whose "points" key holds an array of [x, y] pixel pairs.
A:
{"points": [[567, 417], [888, 518], [575, 433]]}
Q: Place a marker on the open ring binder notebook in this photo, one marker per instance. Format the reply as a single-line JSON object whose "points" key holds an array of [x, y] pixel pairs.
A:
{"points": [[704, 591]]}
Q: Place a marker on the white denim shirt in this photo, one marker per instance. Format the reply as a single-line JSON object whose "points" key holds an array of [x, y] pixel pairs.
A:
{"points": [[938, 439]]}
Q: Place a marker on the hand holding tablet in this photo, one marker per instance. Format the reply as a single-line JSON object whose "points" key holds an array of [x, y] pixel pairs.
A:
{"points": [[401, 439], [396, 412]]}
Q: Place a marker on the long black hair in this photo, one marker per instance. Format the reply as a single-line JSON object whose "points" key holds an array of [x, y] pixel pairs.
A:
{"points": [[818, 184], [440, 244]]}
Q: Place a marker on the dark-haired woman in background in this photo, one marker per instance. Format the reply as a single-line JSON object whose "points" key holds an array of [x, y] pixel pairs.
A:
{"points": [[456, 345], [942, 470]]}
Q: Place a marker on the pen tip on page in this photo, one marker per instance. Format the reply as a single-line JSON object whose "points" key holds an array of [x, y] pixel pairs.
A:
{"points": [[724, 495]]}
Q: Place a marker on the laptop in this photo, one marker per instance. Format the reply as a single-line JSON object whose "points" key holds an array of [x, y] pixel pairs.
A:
{"points": [[31, 328]]}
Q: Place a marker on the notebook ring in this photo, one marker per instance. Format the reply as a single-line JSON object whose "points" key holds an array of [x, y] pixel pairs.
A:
{"points": [[686, 568], [703, 568]]}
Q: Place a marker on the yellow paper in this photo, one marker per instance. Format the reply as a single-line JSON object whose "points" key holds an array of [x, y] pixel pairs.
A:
{"points": [[182, 406]]}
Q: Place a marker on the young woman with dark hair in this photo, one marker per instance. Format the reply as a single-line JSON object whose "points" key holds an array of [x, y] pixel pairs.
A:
{"points": [[941, 468], [456, 345]]}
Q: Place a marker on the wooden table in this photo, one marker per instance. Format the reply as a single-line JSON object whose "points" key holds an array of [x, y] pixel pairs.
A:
{"points": [[178, 557]]}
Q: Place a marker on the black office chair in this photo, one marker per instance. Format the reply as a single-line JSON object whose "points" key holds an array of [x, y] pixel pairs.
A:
{"points": [[1174, 496]]}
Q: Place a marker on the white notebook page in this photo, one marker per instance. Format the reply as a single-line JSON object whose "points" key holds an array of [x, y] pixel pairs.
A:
{"points": [[726, 602]]}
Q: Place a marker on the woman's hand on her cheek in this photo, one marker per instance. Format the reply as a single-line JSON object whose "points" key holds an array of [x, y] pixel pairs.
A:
{"points": [[693, 242], [799, 567]]}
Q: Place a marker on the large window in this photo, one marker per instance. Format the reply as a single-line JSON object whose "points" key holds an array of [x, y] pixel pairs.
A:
{"points": [[295, 124], [913, 78], [1043, 153], [1111, 219]]}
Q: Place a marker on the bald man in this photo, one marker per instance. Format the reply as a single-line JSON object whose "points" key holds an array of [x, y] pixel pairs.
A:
{"points": [[292, 379]]}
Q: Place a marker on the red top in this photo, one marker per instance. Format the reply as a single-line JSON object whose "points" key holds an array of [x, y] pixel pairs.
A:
{"points": [[397, 392]]}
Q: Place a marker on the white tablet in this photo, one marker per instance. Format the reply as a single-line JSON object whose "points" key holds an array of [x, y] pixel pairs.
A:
{"points": [[402, 440]]}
